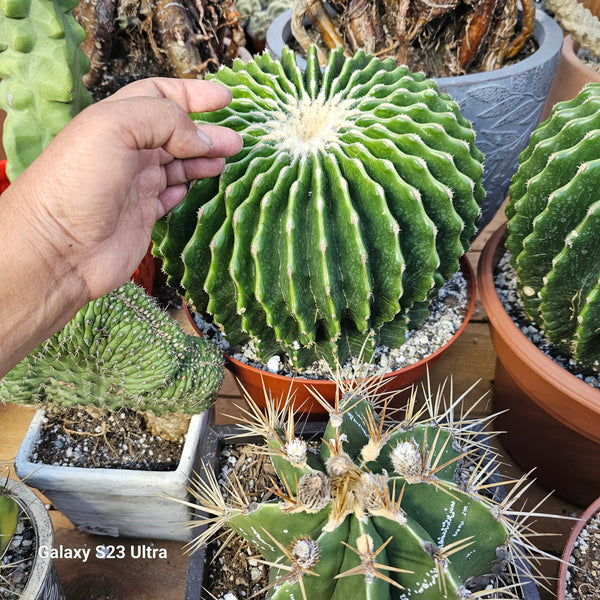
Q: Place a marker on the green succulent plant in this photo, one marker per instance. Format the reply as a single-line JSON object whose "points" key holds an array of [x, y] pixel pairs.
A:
{"points": [[554, 227], [355, 194], [9, 510], [379, 509], [121, 350], [41, 70]]}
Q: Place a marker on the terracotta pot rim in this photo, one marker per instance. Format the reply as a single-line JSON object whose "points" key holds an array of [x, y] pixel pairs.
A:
{"points": [[467, 270], [527, 351], [583, 520], [569, 52]]}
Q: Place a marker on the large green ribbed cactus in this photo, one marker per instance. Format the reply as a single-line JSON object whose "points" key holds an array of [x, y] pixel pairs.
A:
{"points": [[554, 226], [41, 70], [354, 195], [8, 520], [120, 350], [383, 509]]}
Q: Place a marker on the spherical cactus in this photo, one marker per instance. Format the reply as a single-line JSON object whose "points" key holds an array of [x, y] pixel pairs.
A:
{"points": [[121, 350], [381, 509], [554, 227], [8, 520], [355, 193], [41, 70]]}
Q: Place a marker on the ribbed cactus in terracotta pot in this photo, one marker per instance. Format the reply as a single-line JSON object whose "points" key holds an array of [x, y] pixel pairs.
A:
{"points": [[376, 507], [350, 204], [552, 239]]}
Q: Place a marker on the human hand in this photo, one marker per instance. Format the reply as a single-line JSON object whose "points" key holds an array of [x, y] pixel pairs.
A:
{"points": [[95, 193]]}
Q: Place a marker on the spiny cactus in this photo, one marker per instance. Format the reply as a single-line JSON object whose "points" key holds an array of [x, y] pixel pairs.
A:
{"points": [[8, 520], [120, 350], [355, 193], [41, 70], [383, 509], [554, 227]]}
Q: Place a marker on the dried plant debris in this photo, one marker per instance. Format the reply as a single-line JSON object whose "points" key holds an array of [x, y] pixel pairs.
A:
{"points": [[130, 39], [439, 38]]}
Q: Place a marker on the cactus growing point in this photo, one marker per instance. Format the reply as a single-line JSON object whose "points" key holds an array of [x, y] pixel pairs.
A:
{"points": [[355, 193], [403, 509], [554, 225], [120, 350]]}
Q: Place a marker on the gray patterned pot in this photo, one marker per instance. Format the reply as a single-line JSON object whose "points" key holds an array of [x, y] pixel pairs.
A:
{"points": [[504, 105], [43, 582]]}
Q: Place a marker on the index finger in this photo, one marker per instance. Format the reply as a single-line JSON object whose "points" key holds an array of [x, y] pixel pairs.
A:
{"points": [[193, 95]]}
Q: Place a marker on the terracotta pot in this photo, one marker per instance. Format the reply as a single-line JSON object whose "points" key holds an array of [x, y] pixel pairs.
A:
{"points": [[571, 75], [552, 421], [584, 519], [255, 380]]}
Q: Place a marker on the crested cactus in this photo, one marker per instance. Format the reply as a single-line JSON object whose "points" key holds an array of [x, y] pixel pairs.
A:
{"points": [[355, 193], [8, 520], [382, 509], [554, 227], [41, 70], [120, 350]]}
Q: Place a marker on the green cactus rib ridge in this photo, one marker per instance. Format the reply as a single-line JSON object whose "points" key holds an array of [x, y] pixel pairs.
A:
{"points": [[121, 350], [553, 227], [41, 70], [355, 193], [382, 509]]}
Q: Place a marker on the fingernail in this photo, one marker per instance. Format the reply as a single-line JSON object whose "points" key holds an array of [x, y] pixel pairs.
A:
{"points": [[205, 139]]}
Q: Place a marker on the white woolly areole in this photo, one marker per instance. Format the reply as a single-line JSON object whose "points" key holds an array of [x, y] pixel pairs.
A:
{"points": [[295, 451], [305, 553], [314, 491], [308, 125], [407, 461]]}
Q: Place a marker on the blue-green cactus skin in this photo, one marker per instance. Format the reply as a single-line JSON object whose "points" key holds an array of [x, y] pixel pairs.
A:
{"points": [[377, 510], [121, 350], [41, 70], [351, 201], [554, 226]]}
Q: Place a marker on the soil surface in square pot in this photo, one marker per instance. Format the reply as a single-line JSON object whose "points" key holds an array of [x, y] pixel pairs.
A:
{"points": [[96, 438]]}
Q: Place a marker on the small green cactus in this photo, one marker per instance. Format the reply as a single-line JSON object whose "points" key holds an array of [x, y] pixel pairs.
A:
{"points": [[383, 509], [355, 194], [9, 510], [41, 70], [554, 227], [121, 350]]}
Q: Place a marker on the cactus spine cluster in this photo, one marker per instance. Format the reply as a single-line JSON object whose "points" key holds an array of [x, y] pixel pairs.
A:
{"points": [[554, 227], [355, 194], [383, 509], [41, 70], [121, 350], [9, 510]]}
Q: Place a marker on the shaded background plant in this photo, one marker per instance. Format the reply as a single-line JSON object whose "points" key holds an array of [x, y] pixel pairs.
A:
{"points": [[554, 224]]}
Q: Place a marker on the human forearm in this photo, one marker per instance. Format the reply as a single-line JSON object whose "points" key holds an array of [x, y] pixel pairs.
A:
{"points": [[39, 291]]}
